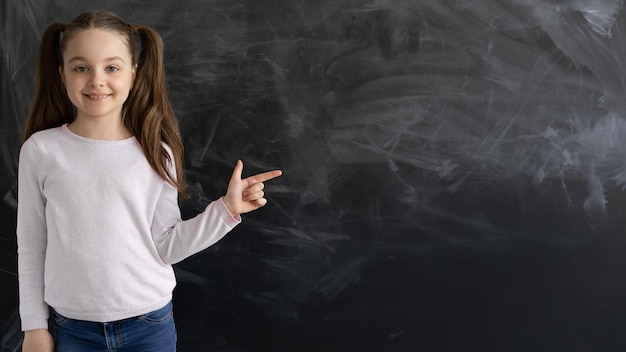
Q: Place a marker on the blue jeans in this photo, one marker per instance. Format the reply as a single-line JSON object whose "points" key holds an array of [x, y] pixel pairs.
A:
{"points": [[151, 332]]}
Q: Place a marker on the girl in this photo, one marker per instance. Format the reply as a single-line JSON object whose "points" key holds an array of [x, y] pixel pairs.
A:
{"points": [[99, 174]]}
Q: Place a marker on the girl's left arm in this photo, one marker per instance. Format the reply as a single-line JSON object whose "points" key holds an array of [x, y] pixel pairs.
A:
{"points": [[176, 240]]}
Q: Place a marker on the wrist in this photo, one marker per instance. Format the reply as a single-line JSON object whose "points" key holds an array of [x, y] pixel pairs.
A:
{"points": [[229, 207], [35, 331]]}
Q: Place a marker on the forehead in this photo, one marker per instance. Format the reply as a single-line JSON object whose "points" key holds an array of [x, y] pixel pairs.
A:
{"points": [[94, 44]]}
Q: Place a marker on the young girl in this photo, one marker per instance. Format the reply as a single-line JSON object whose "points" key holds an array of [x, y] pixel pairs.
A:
{"points": [[99, 174]]}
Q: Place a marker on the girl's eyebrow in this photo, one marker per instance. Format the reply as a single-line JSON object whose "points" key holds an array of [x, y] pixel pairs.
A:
{"points": [[80, 58]]}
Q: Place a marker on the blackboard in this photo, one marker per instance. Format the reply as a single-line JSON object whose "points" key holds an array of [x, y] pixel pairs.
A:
{"points": [[454, 171]]}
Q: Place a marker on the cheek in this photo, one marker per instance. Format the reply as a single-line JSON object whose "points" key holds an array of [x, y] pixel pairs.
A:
{"points": [[73, 89], [71, 86], [129, 83]]}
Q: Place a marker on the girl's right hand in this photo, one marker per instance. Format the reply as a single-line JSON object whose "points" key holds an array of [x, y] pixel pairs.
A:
{"points": [[39, 340]]}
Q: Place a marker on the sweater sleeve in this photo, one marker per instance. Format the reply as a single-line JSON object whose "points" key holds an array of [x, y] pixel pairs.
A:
{"points": [[31, 239], [176, 239]]}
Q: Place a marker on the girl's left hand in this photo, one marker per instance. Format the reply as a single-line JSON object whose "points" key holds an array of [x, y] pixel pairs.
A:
{"points": [[244, 196]]}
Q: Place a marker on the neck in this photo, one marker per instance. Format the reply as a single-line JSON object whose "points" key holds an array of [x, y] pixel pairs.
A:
{"points": [[102, 129]]}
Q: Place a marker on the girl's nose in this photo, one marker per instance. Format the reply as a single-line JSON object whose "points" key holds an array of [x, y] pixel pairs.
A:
{"points": [[96, 81]]}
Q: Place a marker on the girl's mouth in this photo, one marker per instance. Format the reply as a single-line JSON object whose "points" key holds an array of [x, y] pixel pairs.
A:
{"points": [[97, 97]]}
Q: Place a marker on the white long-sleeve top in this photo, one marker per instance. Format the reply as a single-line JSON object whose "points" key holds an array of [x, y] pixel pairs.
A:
{"points": [[98, 229]]}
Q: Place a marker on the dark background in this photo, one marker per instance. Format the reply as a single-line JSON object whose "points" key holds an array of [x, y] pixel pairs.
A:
{"points": [[454, 171]]}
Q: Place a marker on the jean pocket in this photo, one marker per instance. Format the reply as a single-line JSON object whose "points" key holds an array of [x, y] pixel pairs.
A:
{"points": [[158, 316], [58, 318]]}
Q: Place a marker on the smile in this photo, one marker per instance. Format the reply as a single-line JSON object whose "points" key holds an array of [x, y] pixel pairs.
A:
{"points": [[97, 97]]}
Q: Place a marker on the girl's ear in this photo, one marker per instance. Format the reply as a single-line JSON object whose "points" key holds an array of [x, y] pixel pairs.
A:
{"points": [[62, 75], [132, 84]]}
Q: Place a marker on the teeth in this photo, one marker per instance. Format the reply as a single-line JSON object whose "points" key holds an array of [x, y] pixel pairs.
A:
{"points": [[97, 96]]}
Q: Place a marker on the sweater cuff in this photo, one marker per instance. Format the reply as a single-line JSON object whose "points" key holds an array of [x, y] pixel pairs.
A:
{"points": [[34, 324], [230, 219]]}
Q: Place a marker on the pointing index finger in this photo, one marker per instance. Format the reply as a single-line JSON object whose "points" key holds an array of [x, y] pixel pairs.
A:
{"points": [[266, 176]]}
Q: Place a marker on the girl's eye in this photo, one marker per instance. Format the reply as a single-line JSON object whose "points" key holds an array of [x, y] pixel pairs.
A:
{"points": [[112, 69], [80, 69]]}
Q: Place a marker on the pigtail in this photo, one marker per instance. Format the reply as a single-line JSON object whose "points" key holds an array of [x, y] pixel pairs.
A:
{"points": [[50, 106], [148, 113]]}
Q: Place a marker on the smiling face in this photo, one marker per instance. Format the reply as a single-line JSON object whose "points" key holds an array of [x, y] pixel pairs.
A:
{"points": [[98, 73]]}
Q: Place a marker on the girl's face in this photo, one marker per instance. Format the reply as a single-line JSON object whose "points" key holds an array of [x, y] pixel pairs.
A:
{"points": [[98, 73]]}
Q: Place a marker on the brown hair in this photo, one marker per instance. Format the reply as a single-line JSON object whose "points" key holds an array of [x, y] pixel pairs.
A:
{"points": [[147, 111]]}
